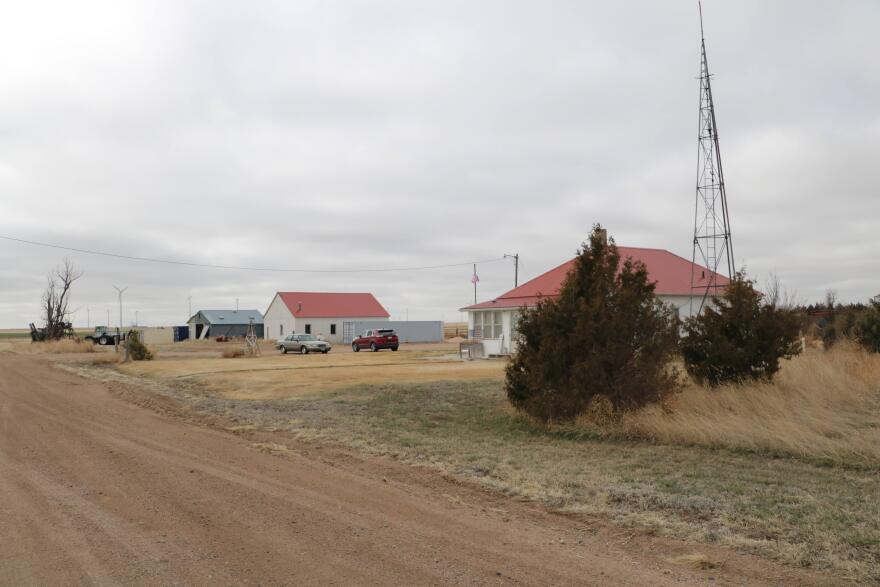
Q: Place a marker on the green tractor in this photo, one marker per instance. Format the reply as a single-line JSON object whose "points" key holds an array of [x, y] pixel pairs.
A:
{"points": [[102, 335]]}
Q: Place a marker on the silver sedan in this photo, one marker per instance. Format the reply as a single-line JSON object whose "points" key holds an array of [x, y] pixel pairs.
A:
{"points": [[303, 344]]}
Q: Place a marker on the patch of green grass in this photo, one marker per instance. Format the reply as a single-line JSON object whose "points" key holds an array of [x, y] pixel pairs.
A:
{"points": [[787, 509]]}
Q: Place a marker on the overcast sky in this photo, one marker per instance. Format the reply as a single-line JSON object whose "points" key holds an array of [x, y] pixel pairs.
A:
{"points": [[370, 134]]}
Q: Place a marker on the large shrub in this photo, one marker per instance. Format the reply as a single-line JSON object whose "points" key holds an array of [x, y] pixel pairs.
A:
{"points": [[739, 336], [606, 334], [868, 327]]}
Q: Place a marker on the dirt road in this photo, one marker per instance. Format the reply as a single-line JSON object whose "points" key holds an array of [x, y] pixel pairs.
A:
{"points": [[96, 490]]}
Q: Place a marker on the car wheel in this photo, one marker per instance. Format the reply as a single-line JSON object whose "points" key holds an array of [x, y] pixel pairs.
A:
{"points": [[283, 350], [355, 347], [103, 341], [373, 347], [394, 348], [325, 351], [303, 350]]}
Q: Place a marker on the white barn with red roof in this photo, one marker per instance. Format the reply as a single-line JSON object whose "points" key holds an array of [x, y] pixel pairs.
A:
{"points": [[494, 322], [319, 313]]}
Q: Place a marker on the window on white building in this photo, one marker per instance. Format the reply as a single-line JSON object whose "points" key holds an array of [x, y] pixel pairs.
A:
{"points": [[488, 324], [478, 325]]}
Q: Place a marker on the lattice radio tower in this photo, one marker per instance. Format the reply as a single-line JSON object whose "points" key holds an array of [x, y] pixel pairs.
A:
{"points": [[713, 247]]}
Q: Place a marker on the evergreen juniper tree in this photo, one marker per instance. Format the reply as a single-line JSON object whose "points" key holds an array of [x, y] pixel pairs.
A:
{"points": [[605, 334]]}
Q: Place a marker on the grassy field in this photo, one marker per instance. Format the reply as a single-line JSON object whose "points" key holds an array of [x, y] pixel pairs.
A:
{"points": [[13, 334], [275, 376], [788, 509], [772, 496]]}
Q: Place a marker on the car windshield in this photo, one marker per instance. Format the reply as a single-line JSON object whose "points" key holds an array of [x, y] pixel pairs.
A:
{"points": [[307, 337]]}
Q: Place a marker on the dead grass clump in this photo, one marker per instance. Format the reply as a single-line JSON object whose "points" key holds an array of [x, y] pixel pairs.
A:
{"points": [[106, 359], [823, 405], [696, 560], [232, 353], [65, 345]]}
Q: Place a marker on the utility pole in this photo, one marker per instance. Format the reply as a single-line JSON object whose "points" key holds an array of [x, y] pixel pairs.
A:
{"points": [[515, 268], [136, 318], [108, 317], [119, 328], [189, 300], [88, 318]]}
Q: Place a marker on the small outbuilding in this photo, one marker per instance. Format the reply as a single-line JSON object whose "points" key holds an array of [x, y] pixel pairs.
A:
{"points": [[207, 323], [324, 314]]}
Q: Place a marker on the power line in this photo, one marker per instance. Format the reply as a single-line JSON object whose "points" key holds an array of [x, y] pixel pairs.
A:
{"points": [[237, 268]]}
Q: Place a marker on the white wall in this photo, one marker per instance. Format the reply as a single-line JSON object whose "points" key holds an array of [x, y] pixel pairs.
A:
{"points": [[683, 303], [277, 314], [503, 344], [156, 334]]}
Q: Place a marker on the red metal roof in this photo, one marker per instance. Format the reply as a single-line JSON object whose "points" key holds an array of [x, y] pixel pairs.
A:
{"points": [[670, 273], [314, 304]]}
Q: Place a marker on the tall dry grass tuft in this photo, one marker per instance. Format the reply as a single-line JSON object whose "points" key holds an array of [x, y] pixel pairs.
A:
{"points": [[65, 345], [823, 405]]}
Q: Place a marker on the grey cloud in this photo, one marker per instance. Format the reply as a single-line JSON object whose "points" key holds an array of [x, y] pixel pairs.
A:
{"points": [[364, 134]]}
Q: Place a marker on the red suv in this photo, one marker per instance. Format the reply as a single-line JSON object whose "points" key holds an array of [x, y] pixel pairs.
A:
{"points": [[381, 338]]}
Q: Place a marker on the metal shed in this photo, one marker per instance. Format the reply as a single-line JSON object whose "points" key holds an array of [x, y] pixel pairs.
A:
{"points": [[207, 323]]}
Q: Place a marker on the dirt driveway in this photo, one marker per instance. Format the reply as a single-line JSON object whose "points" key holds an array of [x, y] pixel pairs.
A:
{"points": [[97, 490]]}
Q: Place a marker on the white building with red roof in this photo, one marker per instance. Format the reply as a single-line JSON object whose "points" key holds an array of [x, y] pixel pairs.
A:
{"points": [[320, 313], [494, 321]]}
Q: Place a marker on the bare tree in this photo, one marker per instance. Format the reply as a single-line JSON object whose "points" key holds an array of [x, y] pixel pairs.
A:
{"points": [[778, 296], [830, 299], [56, 298]]}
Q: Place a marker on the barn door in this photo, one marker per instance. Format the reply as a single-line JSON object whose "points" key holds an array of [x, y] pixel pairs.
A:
{"points": [[347, 332]]}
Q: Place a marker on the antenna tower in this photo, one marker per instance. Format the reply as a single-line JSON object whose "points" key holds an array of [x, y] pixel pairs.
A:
{"points": [[713, 247]]}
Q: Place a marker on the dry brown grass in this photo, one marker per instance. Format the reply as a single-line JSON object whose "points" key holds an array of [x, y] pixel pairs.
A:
{"points": [[277, 376], [232, 353], [105, 359], [822, 405], [696, 560], [56, 347]]}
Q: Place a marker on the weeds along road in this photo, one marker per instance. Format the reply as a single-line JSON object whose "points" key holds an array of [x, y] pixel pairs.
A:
{"points": [[96, 490]]}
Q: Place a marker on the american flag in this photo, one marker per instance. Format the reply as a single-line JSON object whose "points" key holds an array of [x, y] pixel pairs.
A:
{"points": [[475, 278]]}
